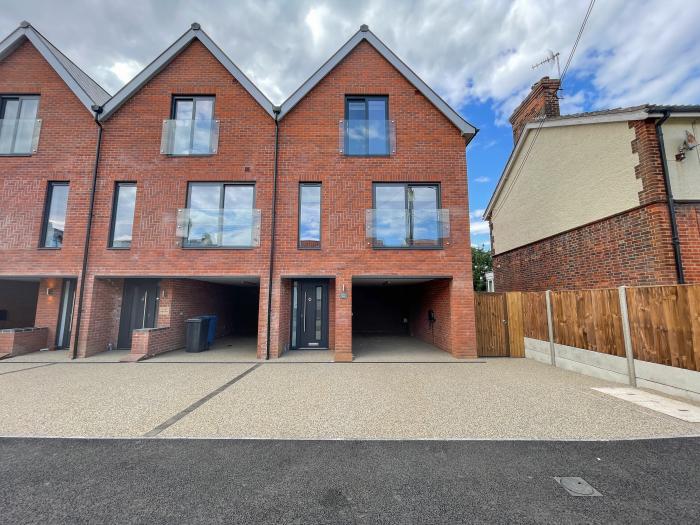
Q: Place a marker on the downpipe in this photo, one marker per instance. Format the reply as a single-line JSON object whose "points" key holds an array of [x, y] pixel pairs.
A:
{"points": [[675, 239], [88, 229]]}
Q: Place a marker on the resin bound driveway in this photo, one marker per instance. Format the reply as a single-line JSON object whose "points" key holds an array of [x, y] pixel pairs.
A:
{"points": [[299, 399]]}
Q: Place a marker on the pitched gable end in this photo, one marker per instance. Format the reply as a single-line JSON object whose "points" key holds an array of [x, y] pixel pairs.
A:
{"points": [[364, 34], [165, 58], [85, 88]]}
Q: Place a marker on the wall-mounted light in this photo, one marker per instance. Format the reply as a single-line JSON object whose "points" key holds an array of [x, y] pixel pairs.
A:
{"points": [[50, 291]]}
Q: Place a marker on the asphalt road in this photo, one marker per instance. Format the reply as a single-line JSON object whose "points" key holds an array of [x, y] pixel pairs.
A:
{"points": [[209, 481]]}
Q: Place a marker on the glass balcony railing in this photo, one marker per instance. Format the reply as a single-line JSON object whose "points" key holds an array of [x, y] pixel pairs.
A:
{"points": [[19, 136], [404, 228], [367, 138], [217, 228], [190, 137]]}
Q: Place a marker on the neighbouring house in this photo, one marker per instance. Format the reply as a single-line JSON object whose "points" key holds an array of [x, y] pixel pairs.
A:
{"points": [[597, 199], [341, 214]]}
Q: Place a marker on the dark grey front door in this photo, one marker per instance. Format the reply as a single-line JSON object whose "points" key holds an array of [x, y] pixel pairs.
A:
{"points": [[312, 314], [139, 308]]}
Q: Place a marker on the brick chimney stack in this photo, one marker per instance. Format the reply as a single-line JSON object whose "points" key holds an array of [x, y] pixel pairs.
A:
{"points": [[542, 101]]}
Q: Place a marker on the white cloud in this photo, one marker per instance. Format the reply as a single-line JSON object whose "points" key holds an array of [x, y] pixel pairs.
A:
{"points": [[479, 227], [481, 51], [481, 180]]}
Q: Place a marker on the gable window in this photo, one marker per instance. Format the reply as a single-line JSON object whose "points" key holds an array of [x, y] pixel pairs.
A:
{"points": [[123, 215], [366, 126], [221, 215], [192, 129], [406, 216], [54, 222], [19, 128], [309, 215]]}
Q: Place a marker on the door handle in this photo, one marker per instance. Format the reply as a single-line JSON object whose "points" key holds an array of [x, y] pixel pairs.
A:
{"points": [[303, 314], [145, 305]]}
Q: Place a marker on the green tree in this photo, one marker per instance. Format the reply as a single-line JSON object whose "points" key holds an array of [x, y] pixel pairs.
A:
{"points": [[481, 263]]}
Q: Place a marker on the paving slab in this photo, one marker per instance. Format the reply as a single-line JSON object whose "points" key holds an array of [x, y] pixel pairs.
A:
{"points": [[63, 356], [224, 350], [103, 399], [499, 399], [397, 348], [7, 367]]}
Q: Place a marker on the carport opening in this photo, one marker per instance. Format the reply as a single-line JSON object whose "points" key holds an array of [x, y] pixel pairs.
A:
{"points": [[155, 312], [235, 303], [18, 300], [402, 317]]}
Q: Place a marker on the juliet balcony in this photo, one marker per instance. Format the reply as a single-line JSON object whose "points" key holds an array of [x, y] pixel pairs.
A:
{"points": [[189, 137], [367, 138], [218, 228], [19, 136], [407, 228]]}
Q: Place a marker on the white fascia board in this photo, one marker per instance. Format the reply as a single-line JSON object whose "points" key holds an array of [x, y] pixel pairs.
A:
{"points": [[15, 39], [454, 117], [167, 56]]}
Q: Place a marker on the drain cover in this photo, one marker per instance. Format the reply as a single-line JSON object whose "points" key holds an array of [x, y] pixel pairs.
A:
{"points": [[577, 486]]}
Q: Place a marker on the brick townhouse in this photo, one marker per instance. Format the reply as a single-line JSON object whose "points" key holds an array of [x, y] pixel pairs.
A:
{"points": [[340, 214], [597, 199]]}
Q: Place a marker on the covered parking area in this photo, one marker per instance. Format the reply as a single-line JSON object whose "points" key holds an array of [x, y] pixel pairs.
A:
{"points": [[150, 316], [401, 318], [35, 314]]}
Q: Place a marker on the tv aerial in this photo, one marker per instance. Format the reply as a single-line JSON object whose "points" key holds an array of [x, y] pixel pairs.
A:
{"points": [[552, 58]]}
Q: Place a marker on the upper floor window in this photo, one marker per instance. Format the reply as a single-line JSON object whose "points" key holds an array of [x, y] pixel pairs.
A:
{"points": [[220, 215], [407, 216], [123, 215], [367, 130], [192, 129], [19, 127], [54, 223], [309, 215]]}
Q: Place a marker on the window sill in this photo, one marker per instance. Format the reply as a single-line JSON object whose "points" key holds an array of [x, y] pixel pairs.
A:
{"points": [[16, 154], [382, 156], [408, 248], [179, 155], [49, 248], [119, 248], [219, 247]]}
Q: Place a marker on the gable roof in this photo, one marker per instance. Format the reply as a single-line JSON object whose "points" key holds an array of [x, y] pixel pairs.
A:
{"points": [[155, 67], [627, 114], [85, 88], [364, 34]]}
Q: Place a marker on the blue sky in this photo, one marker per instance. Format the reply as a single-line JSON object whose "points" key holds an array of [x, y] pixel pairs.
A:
{"points": [[477, 54]]}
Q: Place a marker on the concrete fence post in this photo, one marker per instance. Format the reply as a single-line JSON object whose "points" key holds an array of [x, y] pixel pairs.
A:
{"points": [[550, 327], [625, 319]]}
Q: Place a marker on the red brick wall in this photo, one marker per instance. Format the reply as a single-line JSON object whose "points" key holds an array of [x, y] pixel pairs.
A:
{"points": [[633, 248], [131, 152], [541, 101], [19, 343], [48, 307], [429, 149], [102, 310], [433, 296], [688, 221], [65, 153]]}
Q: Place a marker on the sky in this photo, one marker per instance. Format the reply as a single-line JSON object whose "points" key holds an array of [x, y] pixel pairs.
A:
{"points": [[477, 54]]}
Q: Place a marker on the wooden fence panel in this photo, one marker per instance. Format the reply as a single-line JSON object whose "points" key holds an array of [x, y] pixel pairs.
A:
{"points": [[588, 319], [535, 315], [516, 337], [491, 327], [665, 325]]}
